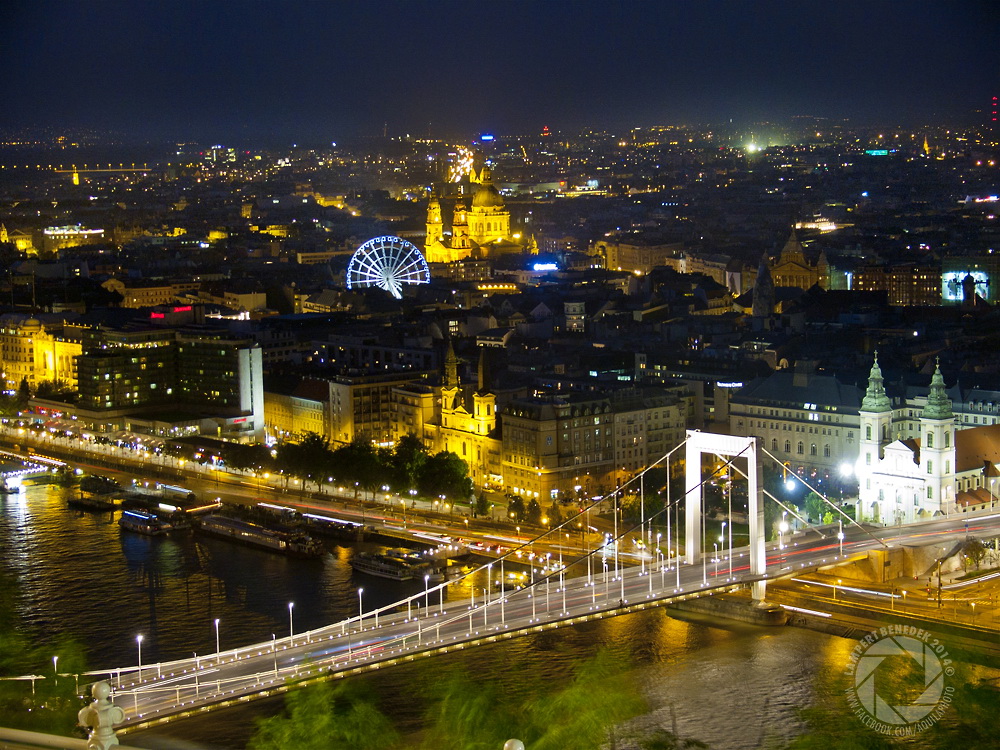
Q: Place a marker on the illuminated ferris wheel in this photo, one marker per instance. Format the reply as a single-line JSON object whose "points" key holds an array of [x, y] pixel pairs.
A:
{"points": [[388, 263]]}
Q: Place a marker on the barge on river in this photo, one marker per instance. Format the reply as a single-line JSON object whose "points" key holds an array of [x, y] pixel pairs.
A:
{"points": [[262, 537]]}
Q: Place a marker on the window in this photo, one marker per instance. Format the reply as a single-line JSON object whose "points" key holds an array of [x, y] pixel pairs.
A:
{"points": [[868, 432], [930, 467], [947, 438], [930, 439], [930, 493], [788, 446], [812, 449], [774, 444], [800, 448], [826, 451]]}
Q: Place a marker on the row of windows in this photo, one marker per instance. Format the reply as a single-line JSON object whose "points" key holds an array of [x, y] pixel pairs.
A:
{"points": [[800, 448]]}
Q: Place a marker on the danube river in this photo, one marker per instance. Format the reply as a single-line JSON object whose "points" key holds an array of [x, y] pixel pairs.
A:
{"points": [[730, 685]]}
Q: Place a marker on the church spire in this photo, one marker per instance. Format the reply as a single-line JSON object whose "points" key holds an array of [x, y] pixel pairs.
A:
{"points": [[875, 399], [450, 367], [763, 291], [938, 404]]}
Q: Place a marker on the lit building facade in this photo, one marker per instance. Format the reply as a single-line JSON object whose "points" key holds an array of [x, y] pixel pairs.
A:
{"points": [[552, 444], [905, 285], [479, 230], [793, 268]]}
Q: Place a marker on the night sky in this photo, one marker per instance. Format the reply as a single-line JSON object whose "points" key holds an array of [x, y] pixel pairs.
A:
{"points": [[233, 71]]}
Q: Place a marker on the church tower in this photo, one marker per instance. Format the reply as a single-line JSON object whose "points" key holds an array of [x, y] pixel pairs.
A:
{"points": [[937, 446], [449, 385], [435, 226], [460, 229], [484, 411], [763, 292], [876, 426]]}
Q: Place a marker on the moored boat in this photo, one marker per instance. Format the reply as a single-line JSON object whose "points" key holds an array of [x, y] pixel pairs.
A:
{"points": [[92, 502], [144, 523], [389, 566], [397, 565], [255, 535]]}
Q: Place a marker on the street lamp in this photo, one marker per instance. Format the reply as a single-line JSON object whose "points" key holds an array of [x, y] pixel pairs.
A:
{"points": [[722, 544], [291, 629], [361, 610], [217, 649], [138, 641]]}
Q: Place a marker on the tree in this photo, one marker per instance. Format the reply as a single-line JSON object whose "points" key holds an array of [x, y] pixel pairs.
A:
{"points": [[24, 392], [445, 473], [554, 514], [359, 464], [772, 515], [482, 505], [10, 406], [573, 720], [325, 717], [409, 458], [814, 507], [533, 512], [56, 389], [515, 509], [53, 704], [974, 551], [243, 457]]}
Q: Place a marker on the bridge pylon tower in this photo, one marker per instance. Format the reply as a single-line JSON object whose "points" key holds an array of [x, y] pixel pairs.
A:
{"points": [[725, 445]]}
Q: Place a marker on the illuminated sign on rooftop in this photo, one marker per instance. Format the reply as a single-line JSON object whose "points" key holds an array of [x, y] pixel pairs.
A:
{"points": [[486, 137]]}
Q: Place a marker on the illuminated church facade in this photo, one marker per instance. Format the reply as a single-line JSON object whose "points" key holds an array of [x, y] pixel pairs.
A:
{"points": [[480, 227], [945, 470]]}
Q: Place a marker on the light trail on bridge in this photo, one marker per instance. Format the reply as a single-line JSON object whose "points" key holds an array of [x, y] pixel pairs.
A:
{"points": [[434, 625]]}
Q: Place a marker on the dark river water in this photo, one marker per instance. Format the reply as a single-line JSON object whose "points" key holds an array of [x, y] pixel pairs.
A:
{"points": [[729, 685]]}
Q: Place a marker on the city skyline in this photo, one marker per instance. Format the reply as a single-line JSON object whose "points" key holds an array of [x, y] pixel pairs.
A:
{"points": [[318, 72]]}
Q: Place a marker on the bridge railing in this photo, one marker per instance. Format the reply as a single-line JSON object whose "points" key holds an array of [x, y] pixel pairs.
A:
{"points": [[432, 630]]}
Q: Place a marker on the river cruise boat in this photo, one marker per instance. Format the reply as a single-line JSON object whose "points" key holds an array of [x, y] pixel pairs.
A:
{"points": [[395, 565], [144, 523]]}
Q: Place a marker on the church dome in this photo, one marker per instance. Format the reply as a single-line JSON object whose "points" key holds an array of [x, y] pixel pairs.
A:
{"points": [[487, 196]]}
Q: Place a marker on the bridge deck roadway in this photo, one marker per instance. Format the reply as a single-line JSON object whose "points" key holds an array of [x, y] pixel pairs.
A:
{"points": [[170, 690]]}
